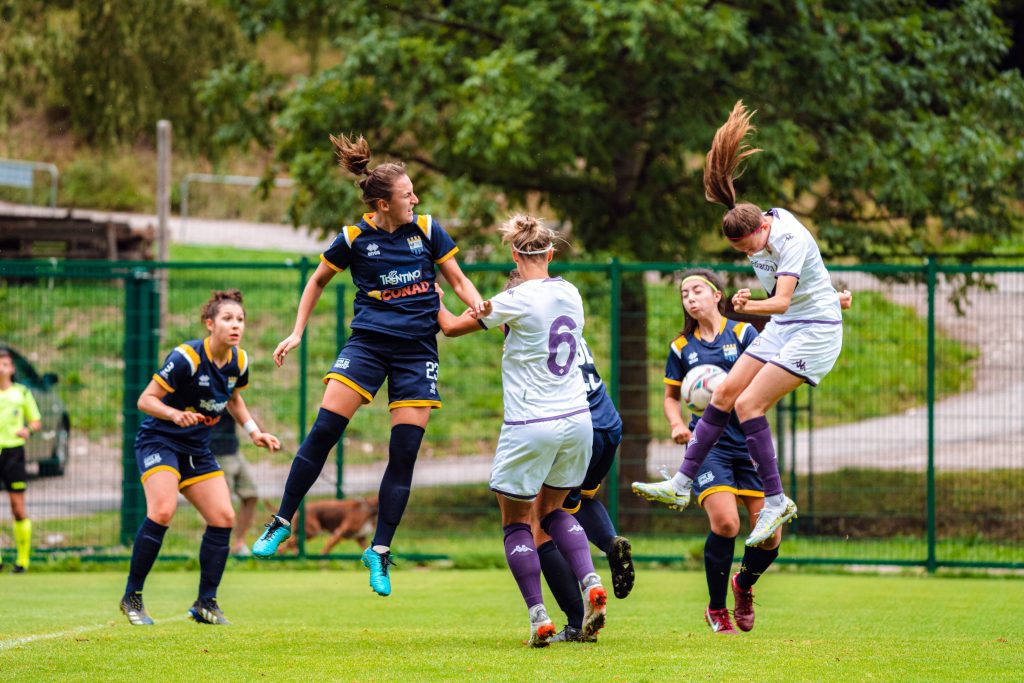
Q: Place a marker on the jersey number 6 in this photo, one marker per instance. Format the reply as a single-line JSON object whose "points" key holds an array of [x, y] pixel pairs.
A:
{"points": [[556, 337]]}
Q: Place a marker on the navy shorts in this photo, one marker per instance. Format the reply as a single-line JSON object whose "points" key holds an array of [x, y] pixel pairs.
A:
{"points": [[12, 468], [409, 365], [723, 471], [190, 467], [606, 443]]}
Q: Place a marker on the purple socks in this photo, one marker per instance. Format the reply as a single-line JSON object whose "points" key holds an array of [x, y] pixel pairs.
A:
{"points": [[571, 541], [705, 435], [762, 452], [521, 555]]}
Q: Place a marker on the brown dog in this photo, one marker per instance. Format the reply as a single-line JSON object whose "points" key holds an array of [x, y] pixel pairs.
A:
{"points": [[353, 518]]}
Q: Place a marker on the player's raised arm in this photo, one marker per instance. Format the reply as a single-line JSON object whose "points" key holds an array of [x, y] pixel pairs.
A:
{"points": [[310, 296]]}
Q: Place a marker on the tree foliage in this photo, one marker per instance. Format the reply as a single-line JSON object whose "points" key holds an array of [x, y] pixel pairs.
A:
{"points": [[886, 123]]}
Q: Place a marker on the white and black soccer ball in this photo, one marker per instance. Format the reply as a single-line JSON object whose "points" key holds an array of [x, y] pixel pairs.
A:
{"points": [[698, 385]]}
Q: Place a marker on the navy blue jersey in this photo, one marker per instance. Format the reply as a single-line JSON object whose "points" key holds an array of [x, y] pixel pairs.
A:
{"points": [[689, 351], [195, 384], [393, 274], [602, 410], [224, 436]]}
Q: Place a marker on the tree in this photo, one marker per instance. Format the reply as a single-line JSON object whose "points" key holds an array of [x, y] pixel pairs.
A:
{"points": [[886, 123]]}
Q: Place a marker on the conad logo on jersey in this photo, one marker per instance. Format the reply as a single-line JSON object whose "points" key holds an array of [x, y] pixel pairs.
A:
{"points": [[401, 292]]}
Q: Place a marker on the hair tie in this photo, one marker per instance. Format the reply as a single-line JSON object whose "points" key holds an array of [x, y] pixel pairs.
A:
{"points": [[550, 247]]}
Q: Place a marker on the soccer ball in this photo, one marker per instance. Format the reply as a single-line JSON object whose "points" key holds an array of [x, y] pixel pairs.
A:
{"points": [[699, 384]]}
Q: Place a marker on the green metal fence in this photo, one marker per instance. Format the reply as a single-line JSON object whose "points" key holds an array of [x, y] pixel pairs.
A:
{"points": [[910, 453]]}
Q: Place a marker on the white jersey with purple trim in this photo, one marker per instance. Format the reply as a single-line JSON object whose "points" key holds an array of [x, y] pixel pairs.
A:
{"points": [[539, 373], [791, 250]]}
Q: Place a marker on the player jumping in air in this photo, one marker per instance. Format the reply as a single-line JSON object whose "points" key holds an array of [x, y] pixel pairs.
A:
{"points": [[545, 443], [800, 344], [393, 254]]}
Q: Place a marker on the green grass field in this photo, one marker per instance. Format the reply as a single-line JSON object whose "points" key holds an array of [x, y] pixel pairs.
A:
{"points": [[469, 625]]}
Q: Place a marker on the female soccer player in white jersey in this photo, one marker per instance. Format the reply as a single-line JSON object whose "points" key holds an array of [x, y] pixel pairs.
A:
{"points": [[800, 344], [545, 443]]}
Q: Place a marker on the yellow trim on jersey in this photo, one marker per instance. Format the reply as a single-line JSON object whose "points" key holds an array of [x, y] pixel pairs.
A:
{"points": [[158, 468], [721, 328], [436, 405], [573, 510], [368, 217], [202, 477], [160, 380], [730, 489], [672, 382], [190, 355], [425, 224], [739, 329], [447, 256], [330, 265], [351, 232], [679, 343], [590, 493], [367, 396], [243, 361]]}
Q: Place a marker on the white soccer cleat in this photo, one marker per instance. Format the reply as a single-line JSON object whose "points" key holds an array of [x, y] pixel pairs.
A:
{"points": [[769, 519], [663, 492], [542, 629], [595, 597]]}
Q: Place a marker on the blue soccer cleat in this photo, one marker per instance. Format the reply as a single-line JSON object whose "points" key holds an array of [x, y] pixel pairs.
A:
{"points": [[378, 564], [273, 535]]}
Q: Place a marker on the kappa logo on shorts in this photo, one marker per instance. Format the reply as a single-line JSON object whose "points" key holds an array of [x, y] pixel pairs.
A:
{"points": [[801, 365], [706, 478], [576, 528], [521, 549], [372, 249], [151, 460]]}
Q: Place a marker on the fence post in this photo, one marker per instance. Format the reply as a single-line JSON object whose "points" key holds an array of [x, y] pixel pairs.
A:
{"points": [[141, 339], [340, 336], [304, 267], [932, 275], [615, 276]]}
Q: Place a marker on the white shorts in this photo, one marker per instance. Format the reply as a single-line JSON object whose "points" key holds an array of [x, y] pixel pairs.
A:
{"points": [[808, 350], [554, 453]]}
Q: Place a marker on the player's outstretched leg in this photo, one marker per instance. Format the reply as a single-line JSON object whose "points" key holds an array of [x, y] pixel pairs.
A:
{"points": [[771, 518], [306, 467], [755, 562], [521, 555], [674, 492]]}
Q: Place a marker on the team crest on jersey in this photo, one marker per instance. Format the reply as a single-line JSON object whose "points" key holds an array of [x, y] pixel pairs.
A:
{"points": [[416, 244], [730, 351], [204, 380], [692, 358], [231, 382], [372, 249]]}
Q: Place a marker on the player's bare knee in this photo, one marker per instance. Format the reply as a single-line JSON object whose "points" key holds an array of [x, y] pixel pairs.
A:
{"points": [[162, 514], [726, 526], [748, 407]]}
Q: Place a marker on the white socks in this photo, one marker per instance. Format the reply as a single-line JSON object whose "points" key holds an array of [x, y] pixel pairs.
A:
{"points": [[776, 501], [681, 483]]}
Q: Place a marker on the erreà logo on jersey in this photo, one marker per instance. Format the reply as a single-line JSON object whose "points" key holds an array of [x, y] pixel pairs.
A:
{"points": [[416, 244], [400, 292], [372, 249]]}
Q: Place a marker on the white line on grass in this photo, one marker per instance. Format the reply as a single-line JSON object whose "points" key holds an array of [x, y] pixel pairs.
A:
{"points": [[24, 640]]}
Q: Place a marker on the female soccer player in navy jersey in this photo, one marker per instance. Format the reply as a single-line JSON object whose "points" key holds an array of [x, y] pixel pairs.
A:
{"points": [[392, 253], [546, 440], [199, 381], [800, 344]]}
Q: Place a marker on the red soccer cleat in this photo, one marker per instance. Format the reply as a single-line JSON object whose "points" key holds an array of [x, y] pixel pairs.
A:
{"points": [[718, 620], [743, 611]]}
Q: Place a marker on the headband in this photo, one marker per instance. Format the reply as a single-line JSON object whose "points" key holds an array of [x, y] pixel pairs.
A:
{"points": [[550, 247], [700, 278]]}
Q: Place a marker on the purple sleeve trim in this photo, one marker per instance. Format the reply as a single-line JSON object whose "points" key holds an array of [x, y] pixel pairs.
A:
{"points": [[553, 279], [792, 372], [796, 275], [808, 322], [547, 419]]}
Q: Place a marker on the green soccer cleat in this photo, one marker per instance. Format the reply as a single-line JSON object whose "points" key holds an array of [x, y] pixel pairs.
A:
{"points": [[274, 534], [770, 519], [131, 605], [378, 563], [207, 612], [663, 492]]}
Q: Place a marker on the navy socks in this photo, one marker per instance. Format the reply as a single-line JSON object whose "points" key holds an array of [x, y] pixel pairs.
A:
{"points": [[310, 460], [755, 562], [562, 583], [144, 551], [397, 480], [718, 551], [213, 557], [594, 519]]}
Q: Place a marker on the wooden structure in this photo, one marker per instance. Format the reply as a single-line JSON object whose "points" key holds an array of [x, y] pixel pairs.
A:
{"points": [[35, 232]]}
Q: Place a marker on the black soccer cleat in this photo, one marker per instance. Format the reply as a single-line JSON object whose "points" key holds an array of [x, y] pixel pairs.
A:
{"points": [[207, 612], [620, 559], [131, 605], [570, 634], [18, 569]]}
